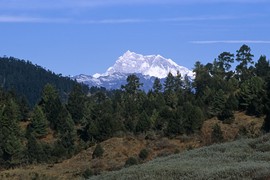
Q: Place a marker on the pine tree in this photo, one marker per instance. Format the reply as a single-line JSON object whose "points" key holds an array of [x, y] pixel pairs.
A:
{"points": [[39, 123], [178, 82], [10, 133], [244, 57], [133, 84], [225, 60], [144, 123], [262, 67], [51, 104], [169, 83], [217, 104], [76, 101], [157, 86], [35, 150]]}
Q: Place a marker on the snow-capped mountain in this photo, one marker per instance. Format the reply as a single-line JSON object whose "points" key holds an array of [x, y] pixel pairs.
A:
{"points": [[151, 65], [147, 68]]}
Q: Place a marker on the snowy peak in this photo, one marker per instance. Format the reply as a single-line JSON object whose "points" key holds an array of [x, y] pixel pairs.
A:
{"points": [[145, 67], [151, 65]]}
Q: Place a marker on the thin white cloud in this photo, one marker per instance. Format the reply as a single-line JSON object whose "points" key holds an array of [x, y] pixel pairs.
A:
{"points": [[232, 42], [115, 21], [25, 19], [162, 20]]}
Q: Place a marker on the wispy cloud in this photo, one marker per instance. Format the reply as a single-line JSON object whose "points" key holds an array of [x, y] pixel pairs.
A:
{"points": [[232, 42], [163, 20], [115, 21], [32, 19], [27, 19]]}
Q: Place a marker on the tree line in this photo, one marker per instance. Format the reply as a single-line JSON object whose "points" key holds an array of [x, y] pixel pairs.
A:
{"points": [[178, 106], [27, 80]]}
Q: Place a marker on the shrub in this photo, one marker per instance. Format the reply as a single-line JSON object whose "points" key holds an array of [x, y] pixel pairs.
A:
{"points": [[98, 152], [131, 161], [88, 173], [176, 151], [217, 135], [144, 154]]}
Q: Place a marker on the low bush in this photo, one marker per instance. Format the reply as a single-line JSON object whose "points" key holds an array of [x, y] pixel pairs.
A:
{"points": [[131, 161], [98, 152], [143, 154]]}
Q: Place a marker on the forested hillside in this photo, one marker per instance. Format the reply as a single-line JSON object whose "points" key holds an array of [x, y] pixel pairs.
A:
{"points": [[57, 130], [28, 80]]}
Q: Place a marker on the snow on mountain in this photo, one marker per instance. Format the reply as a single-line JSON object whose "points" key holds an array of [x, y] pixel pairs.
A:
{"points": [[145, 67], [151, 65]]}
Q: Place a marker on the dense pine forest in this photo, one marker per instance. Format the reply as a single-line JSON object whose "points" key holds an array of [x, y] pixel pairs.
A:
{"points": [[27, 80], [55, 129]]}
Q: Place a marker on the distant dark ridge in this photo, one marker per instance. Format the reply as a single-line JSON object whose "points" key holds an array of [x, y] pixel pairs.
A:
{"points": [[27, 80]]}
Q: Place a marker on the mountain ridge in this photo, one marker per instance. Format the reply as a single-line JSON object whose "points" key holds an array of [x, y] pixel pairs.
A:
{"points": [[147, 67]]}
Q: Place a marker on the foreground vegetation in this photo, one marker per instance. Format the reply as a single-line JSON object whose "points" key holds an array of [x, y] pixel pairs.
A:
{"points": [[55, 129], [242, 159]]}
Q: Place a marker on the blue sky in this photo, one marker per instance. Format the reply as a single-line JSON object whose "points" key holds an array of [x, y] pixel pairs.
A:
{"points": [[87, 36]]}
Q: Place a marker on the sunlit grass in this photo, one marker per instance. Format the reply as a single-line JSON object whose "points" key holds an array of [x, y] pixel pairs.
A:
{"points": [[242, 159]]}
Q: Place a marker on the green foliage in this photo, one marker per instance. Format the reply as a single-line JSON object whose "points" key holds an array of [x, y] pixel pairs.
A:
{"points": [[157, 86], [88, 173], [76, 104], [98, 152], [252, 95], [244, 57], [11, 147], [28, 80], [169, 83], [51, 104], [266, 124], [131, 161], [225, 60], [193, 118], [242, 159], [144, 123], [217, 136], [262, 67], [143, 154], [133, 84], [181, 108], [35, 151], [39, 123], [217, 104]]}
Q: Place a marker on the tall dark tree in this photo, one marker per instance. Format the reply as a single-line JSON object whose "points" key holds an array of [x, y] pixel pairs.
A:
{"points": [[133, 84], [225, 60], [178, 82], [144, 123], [66, 129], [35, 151], [39, 124], [262, 67], [76, 103], [251, 96], [217, 103], [244, 57], [157, 86], [51, 104], [10, 133], [169, 83], [266, 124]]}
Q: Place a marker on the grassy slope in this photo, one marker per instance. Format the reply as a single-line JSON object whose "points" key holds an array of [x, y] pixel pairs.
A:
{"points": [[118, 150], [242, 159]]}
